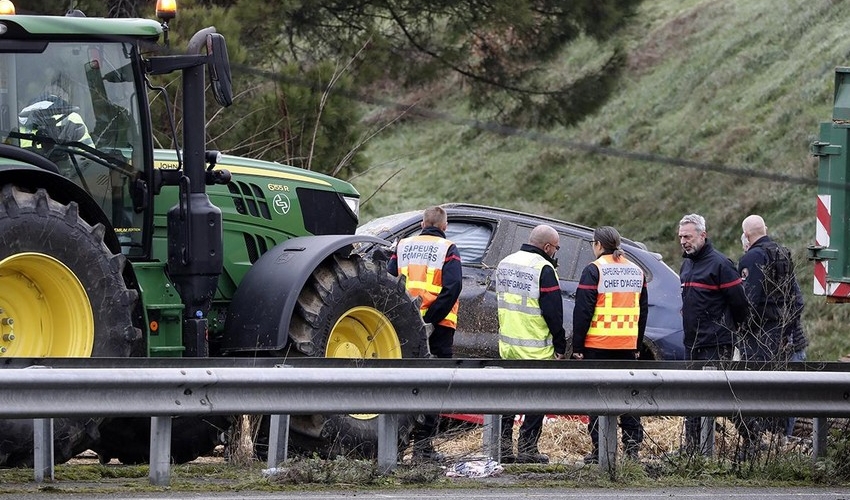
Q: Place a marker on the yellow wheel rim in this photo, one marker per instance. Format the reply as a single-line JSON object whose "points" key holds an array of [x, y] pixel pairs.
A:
{"points": [[363, 333], [44, 309]]}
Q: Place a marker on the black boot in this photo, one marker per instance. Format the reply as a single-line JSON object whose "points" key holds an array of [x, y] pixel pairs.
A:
{"points": [[506, 443], [423, 451], [527, 453], [592, 457]]}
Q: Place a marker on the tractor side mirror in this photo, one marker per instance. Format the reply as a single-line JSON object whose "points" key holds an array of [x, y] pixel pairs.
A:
{"points": [[219, 69]]}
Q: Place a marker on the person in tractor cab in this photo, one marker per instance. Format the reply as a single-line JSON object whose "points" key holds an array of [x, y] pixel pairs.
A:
{"points": [[50, 120]]}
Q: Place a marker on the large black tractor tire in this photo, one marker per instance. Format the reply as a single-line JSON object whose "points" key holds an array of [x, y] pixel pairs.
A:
{"points": [[353, 308], [61, 295]]}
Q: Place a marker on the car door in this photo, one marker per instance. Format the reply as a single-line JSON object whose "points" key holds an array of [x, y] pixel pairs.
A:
{"points": [[478, 322]]}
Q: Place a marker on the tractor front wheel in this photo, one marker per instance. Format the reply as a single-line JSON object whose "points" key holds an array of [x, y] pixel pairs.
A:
{"points": [[62, 294]]}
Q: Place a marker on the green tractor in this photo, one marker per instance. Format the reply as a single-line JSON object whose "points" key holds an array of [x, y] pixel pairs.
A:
{"points": [[110, 248]]}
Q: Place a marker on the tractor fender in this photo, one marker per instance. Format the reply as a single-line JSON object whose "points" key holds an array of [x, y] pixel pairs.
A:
{"points": [[61, 189], [259, 314]]}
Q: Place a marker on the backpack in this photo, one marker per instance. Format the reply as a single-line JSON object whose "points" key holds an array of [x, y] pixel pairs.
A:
{"points": [[779, 278]]}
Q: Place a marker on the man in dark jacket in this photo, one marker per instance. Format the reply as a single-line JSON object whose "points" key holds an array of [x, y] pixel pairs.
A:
{"points": [[433, 272], [774, 331], [714, 304], [531, 326]]}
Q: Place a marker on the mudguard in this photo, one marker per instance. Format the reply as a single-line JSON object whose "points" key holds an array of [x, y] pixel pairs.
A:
{"points": [[29, 170], [259, 315]]}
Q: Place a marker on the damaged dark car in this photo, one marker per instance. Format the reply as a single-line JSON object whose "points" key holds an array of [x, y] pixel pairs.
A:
{"points": [[485, 235]]}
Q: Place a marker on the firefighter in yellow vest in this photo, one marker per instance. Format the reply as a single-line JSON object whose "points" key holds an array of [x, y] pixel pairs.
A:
{"points": [[531, 325], [609, 320], [50, 123], [432, 269]]}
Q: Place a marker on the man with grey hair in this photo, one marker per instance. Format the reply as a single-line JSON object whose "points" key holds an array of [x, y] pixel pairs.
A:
{"points": [[714, 304]]}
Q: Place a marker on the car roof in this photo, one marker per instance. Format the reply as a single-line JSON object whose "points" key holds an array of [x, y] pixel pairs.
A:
{"points": [[389, 223]]}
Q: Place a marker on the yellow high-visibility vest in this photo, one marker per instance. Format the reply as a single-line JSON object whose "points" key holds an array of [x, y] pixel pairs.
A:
{"points": [[523, 333]]}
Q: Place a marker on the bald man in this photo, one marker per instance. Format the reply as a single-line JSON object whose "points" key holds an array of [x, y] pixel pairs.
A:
{"points": [[531, 325], [775, 330], [776, 303]]}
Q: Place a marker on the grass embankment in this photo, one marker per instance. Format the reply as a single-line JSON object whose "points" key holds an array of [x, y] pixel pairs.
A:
{"points": [[741, 85]]}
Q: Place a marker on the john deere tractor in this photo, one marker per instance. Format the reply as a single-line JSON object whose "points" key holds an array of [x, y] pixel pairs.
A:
{"points": [[110, 248]]}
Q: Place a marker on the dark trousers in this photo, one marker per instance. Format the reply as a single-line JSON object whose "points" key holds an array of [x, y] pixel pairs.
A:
{"points": [[440, 343], [713, 353], [529, 434], [630, 424]]}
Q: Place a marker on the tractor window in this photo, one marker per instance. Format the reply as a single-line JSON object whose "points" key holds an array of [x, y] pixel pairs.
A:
{"points": [[76, 104]]}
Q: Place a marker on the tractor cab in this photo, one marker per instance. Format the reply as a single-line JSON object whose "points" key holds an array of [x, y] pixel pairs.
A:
{"points": [[79, 101]]}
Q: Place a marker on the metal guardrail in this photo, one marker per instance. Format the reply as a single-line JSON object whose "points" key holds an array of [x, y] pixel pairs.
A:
{"points": [[390, 391]]}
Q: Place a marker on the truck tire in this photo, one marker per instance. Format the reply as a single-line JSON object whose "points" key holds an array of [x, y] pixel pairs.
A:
{"points": [[354, 309], [62, 294]]}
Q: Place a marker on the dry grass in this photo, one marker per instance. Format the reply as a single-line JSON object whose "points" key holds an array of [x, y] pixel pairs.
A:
{"points": [[565, 439]]}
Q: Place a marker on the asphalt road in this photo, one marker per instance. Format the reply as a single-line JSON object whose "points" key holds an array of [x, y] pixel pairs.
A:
{"points": [[467, 494]]}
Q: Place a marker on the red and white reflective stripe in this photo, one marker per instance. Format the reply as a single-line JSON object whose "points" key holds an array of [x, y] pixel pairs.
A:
{"points": [[824, 226], [822, 230]]}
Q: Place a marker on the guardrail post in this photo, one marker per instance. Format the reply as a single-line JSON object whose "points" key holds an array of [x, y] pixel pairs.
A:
{"points": [[387, 442], [607, 428], [820, 430], [492, 445], [706, 436], [706, 430], [278, 439], [160, 461], [42, 438]]}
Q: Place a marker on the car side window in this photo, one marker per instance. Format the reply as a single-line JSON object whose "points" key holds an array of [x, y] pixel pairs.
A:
{"points": [[570, 245], [471, 239], [585, 257]]}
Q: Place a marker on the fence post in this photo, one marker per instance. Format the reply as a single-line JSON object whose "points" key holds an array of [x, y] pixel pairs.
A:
{"points": [[42, 437], [160, 461], [820, 429], [607, 428], [387, 442], [278, 439], [493, 437], [706, 430]]}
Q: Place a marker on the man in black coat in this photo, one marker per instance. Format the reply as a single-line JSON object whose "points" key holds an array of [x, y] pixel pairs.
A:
{"points": [[714, 304], [774, 331]]}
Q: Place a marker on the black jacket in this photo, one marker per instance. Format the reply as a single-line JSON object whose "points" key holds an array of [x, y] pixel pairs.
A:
{"points": [[775, 313], [452, 280], [714, 304]]}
